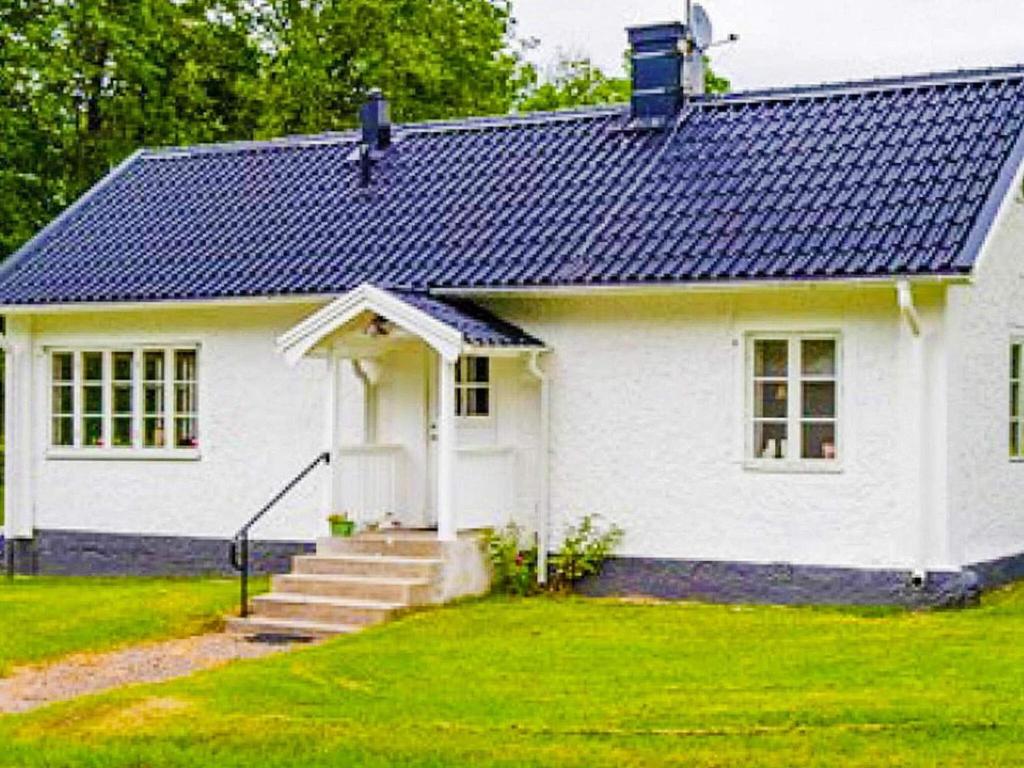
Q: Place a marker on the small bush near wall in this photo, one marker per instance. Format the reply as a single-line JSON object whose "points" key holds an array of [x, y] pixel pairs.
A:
{"points": [[514, 564], [584, 549]]}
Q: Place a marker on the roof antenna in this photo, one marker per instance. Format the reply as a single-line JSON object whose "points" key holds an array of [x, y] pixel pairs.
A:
{"points": [[698, 39]]}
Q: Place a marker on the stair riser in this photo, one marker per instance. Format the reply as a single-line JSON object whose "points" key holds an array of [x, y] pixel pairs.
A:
{"points": [[253, 627], [393, 547], [328, 614], [322, 566], [406, 594]]}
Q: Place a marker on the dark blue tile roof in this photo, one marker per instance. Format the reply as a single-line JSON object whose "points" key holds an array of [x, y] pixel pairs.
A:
{"points": [[476, 324], [883, 178]]}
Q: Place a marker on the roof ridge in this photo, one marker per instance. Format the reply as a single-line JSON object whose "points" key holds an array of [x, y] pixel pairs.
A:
{"points": [[885, 83], [590, 112]]}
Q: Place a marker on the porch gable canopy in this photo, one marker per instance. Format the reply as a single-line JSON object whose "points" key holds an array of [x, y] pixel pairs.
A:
{"points": [[449, 326]]}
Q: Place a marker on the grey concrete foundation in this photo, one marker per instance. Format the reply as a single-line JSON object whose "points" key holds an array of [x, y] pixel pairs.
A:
{"points": [[88, 553], [780, 583]]}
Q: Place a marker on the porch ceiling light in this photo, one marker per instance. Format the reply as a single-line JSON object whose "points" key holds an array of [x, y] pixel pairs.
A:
{"points": [[378, 326]]}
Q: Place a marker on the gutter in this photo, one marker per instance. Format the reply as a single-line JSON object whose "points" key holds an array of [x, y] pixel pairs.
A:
{"points": [[544, 476]]}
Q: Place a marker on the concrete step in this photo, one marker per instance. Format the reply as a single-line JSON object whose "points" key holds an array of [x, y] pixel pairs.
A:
{"points": [[368, 565], [399, 544], [406, 591], [292, 627], [326, 610]]}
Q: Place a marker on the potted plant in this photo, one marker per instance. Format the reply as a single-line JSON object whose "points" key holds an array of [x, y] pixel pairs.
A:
{"points": [[341, 525]]}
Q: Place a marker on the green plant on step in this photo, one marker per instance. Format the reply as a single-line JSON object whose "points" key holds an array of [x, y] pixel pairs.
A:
{"points": [[584, 549], [341, 525], [513, 563]]}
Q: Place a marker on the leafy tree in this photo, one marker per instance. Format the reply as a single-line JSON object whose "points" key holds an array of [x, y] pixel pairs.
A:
{"points": [[83, 83], [433, 59], [577, 81]]}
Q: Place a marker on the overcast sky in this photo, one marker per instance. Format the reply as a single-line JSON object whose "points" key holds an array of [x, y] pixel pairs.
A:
{"points": [[785, 42]]}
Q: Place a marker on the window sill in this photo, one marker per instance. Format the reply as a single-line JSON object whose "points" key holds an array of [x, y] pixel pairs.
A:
{"points": [[782, 467], [128, 454]]}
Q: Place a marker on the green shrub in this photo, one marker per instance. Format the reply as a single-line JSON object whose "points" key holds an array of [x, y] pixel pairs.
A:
{"points": [[584, 549], [514, 564]]}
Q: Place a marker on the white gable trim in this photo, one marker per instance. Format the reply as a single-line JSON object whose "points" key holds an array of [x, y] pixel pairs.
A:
{"points": [[300, 340]]}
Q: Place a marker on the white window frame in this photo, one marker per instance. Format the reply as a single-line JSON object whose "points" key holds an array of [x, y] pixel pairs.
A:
{"points": [[465, 386], [136, 450], [1017, 422], [793, 461]]}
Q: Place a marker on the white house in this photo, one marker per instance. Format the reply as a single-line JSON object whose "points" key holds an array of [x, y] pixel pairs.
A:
{"points": [[775, 336]]}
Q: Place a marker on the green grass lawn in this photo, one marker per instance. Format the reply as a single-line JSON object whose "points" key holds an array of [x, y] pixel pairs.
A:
{"points": [[41, 618], [582, 683]]}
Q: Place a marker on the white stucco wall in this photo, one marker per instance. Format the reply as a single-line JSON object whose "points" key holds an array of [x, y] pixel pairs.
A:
{"points": [[260, 422], [986, 486], [648, 426]]}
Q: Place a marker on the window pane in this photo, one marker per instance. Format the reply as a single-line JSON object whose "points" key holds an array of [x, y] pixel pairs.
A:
{"points": [[185, 398], [819, 399], [63, 400], [92, 430], [92, 366], [185, 433], [122, 431], [1015, 361], [770, 399], [153, 366], [459, 408], [123, 399], [63, 430], [1014, 399], [479, 402], [771, 358], [479, 370], [92, 399], [819, 441], [63, 366], [153, 396], [818, 357], [770, 440], [153, 432], [1014, 439], [122, 364], [185, 365]]}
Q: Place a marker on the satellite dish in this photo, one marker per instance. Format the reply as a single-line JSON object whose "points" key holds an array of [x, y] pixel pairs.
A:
{"points": [[700, 27]]}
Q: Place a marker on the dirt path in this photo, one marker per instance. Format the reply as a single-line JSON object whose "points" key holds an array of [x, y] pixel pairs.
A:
{"points": [[29, 687]]}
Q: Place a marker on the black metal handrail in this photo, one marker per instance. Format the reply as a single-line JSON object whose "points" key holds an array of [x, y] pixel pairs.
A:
{"points": [[238, 552]]}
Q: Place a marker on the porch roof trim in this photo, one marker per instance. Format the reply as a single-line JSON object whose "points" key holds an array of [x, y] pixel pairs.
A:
{"points": [[447, 325]]}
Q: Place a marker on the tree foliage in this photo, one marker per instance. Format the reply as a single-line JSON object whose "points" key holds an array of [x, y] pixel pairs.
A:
{"points": [[577, 81]]}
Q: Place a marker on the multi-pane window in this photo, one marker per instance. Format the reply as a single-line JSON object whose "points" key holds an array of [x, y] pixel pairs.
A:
{"points": [[118, 399], [1016, 406], [794, 398], [62, 375], [473, 387], [185, 396]]}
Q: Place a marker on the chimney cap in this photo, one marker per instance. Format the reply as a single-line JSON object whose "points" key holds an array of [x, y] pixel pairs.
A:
{"points": [[375, 120]]}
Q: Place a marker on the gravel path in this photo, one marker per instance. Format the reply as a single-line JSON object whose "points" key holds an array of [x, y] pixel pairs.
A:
{"points": [[84, 673]]}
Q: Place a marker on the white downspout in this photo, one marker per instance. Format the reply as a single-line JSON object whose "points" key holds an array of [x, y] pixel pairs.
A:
{"points": [[544, 479], [915, 389]]}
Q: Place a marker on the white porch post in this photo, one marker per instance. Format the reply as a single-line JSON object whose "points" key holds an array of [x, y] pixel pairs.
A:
{"points": [[446, 525], [18, 502], [331, 430]]}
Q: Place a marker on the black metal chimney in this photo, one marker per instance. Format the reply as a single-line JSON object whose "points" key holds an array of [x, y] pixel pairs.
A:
{"points": [[375, 118], [658, 52]]}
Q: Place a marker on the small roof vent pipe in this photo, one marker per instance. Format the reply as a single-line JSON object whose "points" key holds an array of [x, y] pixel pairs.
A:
{"points": [[375, 119], [375, 122]]}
